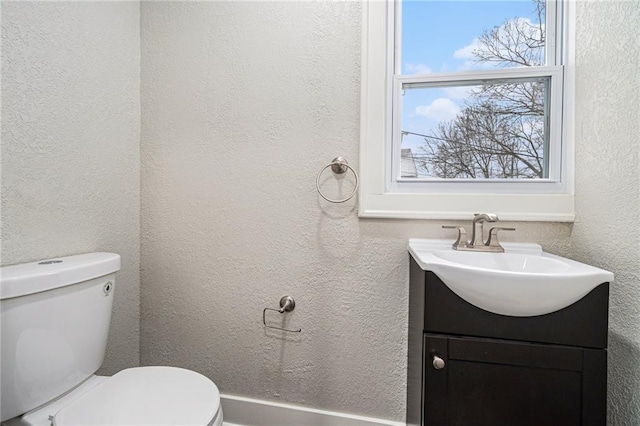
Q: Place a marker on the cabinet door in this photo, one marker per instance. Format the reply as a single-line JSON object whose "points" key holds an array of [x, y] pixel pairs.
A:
{"points": [[489, 382]]}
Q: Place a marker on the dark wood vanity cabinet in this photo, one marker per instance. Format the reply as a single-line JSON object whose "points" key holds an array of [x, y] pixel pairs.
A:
{"points": [[467, 366], [493, 382]]}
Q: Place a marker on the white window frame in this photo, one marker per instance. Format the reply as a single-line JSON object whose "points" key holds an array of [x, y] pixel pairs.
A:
{"points": [[383, 196]]}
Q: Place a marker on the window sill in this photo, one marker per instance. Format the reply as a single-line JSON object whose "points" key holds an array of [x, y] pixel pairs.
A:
{"points": [[509, 207]]}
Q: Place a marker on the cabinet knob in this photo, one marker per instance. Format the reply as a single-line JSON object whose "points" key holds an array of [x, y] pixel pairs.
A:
{"points": [[438, 363]]}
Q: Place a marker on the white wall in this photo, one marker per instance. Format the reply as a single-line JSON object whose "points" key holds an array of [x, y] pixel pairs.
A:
{"points": [[70, 143], [243, 103], [607, 229]]}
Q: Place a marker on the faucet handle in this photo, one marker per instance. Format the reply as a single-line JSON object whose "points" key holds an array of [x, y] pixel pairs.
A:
{"points": [[492, 241], [462, 235]]}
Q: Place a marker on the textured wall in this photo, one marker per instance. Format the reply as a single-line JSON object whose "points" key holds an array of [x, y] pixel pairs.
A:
{"points": [[243, 103], [607, 229], [70, 143]]}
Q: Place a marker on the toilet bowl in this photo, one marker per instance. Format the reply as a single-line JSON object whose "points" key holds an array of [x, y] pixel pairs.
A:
{"points": [[55, 318], [135, 396]]}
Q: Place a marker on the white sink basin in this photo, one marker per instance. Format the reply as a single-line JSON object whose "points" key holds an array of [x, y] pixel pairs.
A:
{"points": [[523, 281]]}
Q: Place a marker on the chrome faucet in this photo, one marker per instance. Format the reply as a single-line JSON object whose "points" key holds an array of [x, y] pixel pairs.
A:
{"points": [[477, 242], [478, 230]]}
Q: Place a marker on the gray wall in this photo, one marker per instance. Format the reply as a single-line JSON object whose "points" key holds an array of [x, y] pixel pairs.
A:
{"points": [[243, 103], [71, 143]]}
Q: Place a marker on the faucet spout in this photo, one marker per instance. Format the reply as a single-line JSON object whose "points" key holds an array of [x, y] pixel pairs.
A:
{"points": [[477, 234], [477, 242]]}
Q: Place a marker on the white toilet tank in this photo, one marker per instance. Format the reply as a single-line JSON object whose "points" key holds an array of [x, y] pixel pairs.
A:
{"points": [[54, 322]]}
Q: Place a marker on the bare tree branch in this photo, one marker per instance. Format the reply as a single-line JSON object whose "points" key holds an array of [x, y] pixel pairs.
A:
{"points": [[500, 131]]}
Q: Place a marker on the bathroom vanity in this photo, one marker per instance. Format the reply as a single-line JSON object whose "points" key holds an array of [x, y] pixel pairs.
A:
{"points": [[468, 365]]}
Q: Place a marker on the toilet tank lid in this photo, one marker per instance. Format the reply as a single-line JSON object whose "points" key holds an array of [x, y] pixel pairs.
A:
{"points": [[35, 277]]}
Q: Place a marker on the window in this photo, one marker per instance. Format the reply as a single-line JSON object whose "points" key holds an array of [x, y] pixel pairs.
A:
{"points": [[466, 107]]}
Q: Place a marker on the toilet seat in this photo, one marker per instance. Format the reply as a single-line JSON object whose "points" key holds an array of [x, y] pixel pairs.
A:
{"points": [[146, 396]]}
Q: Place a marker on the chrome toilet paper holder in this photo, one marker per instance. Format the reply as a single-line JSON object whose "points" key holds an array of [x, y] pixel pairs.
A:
{"points": [[287, 304]]}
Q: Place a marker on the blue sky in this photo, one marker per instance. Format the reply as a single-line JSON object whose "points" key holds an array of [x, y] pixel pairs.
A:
{"points": [[437, 36]]}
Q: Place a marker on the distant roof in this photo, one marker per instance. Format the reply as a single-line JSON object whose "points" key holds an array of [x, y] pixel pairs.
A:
{"points": [[408, 167]]}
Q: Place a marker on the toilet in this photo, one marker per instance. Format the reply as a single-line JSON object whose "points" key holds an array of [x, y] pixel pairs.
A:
{"points": [[55, 317]]}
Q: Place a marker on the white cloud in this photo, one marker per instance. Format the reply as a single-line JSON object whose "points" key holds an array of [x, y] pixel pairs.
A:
{"points": [[458, 92], [417, 68], [440, 109], [533, 126], [465, 53]]}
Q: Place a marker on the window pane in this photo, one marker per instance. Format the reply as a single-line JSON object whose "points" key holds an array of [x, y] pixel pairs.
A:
{"points": [[449, 36], [488, 130]]}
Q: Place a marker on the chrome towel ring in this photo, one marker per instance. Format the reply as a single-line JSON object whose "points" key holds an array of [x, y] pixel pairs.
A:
{"points": [[339, 165]]}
